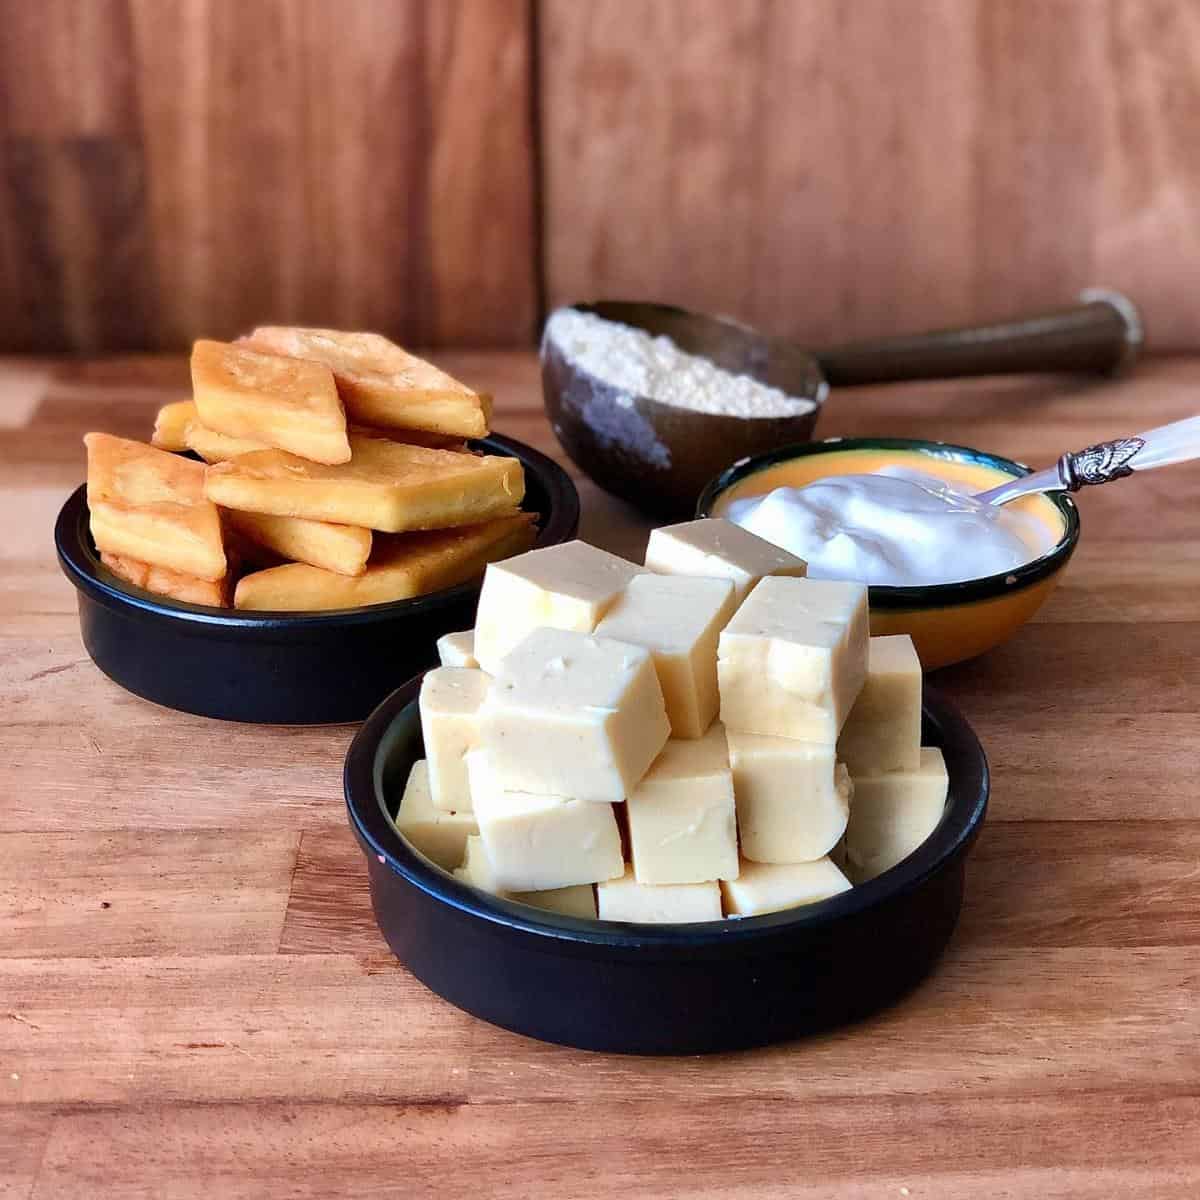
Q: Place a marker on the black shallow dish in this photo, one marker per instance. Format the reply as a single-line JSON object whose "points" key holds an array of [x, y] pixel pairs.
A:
{"points": [[683, 989], [280, 668]]}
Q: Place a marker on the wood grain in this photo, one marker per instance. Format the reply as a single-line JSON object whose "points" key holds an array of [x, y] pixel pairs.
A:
{"points": [[177, 168], [831, 171], [234, 1024], [89, 894], [1093, 1147]]}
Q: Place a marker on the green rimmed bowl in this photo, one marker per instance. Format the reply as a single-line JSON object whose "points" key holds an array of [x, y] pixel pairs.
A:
{"points": [[948, 622]]}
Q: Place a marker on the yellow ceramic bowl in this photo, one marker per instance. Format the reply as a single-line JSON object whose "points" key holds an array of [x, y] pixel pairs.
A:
{"points": [[949, 622]]}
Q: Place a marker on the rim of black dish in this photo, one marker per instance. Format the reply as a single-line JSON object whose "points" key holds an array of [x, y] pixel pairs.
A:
{"points": [[82, 563], [924, 596], [365, 802]]}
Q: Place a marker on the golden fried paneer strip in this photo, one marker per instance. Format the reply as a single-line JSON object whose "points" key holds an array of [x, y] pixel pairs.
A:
{"points": [[386, 485], [285, 402], [340, 548], [171, 425], [381, 384], [216, 447], [189, 589], [148, 504], [403, 566]]}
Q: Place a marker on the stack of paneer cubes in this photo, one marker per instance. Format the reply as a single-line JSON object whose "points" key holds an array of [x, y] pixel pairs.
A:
{"points": [[336, 474], [575, 760]]}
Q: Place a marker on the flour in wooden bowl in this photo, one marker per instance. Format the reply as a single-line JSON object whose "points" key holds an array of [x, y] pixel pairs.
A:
{"points": [[634, 362]]}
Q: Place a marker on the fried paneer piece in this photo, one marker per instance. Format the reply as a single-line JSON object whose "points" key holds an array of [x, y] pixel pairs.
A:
{"points": [[401, 567], [216, 593], [414, 437], [178, 427], [285, 402], [216, 447], [381, 384], [171, 425], [386, 486], [149, 505], [343, 549]]}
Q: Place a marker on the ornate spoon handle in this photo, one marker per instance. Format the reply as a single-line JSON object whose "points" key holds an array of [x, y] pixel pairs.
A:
{"points": [[1106, 461]]}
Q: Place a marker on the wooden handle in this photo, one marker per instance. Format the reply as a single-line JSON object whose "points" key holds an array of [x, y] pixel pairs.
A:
{"points": [[1101, 333]]}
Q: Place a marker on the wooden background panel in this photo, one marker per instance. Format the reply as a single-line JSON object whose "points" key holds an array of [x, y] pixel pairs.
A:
{"points": [[170, 168], [834, 170]]}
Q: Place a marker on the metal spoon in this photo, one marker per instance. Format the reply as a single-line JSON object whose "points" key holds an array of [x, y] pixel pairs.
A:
{"points": [[1161, 447]]}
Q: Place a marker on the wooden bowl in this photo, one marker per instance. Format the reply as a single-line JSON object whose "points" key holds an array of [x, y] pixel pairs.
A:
{"points": [[654, 455]]}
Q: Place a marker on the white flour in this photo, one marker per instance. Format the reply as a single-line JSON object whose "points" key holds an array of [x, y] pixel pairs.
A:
{"points": [[632, 361]]}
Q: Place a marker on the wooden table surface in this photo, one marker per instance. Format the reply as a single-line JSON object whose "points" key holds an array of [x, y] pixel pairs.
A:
{"points": [[194, 1001]]}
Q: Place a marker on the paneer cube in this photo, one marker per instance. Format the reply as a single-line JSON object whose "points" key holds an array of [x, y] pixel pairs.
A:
{"points": [[476, 868], [400, 567], [149, 505], [678, 619], [576, 901], [457, 649], [387, 486], [538, 842], [793, 659], [381, 384], [793, 798], [883, 730], [626, 899], [715, 548], [893, 813], [570, 586], [283, 402], [771, 887], [573, 715], [440, 836], [682, 821], [451, 698]]}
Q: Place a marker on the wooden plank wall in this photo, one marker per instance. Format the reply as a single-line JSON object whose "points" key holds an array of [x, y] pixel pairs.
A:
{"points": [[437, 170], [833, 169], [176, 167]]}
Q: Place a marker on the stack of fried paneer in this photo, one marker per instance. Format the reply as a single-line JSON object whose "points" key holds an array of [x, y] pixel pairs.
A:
{"points": [[336, 474], [674, 742]]}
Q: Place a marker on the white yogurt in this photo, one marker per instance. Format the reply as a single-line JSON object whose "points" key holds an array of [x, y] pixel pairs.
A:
{"points": [[899, 528]]}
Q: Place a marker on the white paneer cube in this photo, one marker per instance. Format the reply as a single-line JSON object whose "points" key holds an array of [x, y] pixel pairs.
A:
{"points": [[577, 901], [538, 842], [678, 619], [440, 836], [772, 887], [570, 586], [457, 649], [793, 659], [793, 798], [451, 699], [893, 813], [682, 821], [476, 867], [574, 716], [626, 899], [717, 549], [883, 730]]}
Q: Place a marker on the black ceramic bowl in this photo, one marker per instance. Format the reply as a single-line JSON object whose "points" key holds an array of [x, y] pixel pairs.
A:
{"points": [[280, 668], [669, 989]]}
